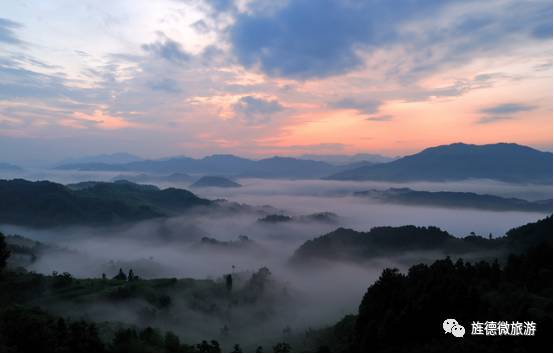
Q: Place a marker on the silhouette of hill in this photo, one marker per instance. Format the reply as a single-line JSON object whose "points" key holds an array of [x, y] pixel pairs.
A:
{"points": [[503, 162], [283, 167], [225, 165], [8, 167], [347, 159], [214, 181], [149, 178], [323, 217], [416, 304], [407, 196], [118, 157], [217, 164], [349, 245], [47, 204]]}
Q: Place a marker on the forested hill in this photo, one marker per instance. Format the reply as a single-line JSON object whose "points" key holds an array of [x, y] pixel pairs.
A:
{"points": [[405, 312], [48, 204], [346, 244], [466, 200]]}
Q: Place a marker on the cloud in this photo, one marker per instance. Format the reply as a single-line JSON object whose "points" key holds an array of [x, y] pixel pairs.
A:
{"points": [[221, 6], [381, 118], [19, 83], [201, 26], [168, 49], [98, 119], [165, 85], [315, 39], [507, 109], [493, 119], [367, 106], [256, 110], [7, 34], [504, 111]]}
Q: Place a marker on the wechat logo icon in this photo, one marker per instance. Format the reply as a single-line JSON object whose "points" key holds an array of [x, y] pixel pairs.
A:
{"points": [[451, 326]]}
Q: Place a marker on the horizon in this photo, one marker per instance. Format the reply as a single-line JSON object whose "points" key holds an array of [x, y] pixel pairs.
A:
{"points": [[198, 78], [308, 156]]}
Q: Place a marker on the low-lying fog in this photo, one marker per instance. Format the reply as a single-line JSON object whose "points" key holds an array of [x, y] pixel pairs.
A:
{"points": [[172, 243], [172, 247]]}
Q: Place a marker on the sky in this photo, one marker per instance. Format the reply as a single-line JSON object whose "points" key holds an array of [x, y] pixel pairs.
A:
{"points": [[262, 78]]}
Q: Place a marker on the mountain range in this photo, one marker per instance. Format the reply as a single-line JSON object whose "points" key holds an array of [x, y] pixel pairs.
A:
{"points": [[503, 162], [115, 158], [225, 165], [347, 159]]}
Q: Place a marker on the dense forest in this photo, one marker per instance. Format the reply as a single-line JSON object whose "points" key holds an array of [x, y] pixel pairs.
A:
{"points": [[350, 245], [25, 326], [405, 312]]}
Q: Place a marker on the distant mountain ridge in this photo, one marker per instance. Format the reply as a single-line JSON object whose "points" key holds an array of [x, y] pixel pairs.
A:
{"points": [[225, 165], [8, 167], [407, 196], [347, 159], [117, 157], [503, 161], [215, 181], [145, 178]]}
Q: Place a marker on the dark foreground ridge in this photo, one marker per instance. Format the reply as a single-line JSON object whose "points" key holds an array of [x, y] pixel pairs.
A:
{"points": [[405, 312]]}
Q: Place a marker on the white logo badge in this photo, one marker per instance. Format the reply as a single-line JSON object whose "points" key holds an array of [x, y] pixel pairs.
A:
{"points": [[451, 326]]}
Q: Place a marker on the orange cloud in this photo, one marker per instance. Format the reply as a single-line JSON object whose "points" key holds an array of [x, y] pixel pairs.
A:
{"points": [[98, 119]]}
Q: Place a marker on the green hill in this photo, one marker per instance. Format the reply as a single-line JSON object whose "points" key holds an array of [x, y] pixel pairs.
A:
{"points": [[346, 244], [48, 204]]}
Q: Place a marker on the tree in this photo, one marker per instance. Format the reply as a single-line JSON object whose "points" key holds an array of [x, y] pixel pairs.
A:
{"points": [[4, 252], [282, 348], [205, 347], [172, 343], [287, 331], [120, 275], [259, 279], [24, 329], [131, 276], [237, 349], [229, 282]]}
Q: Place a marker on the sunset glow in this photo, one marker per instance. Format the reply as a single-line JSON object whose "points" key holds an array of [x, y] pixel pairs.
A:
{"points": [[196, 78]]}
